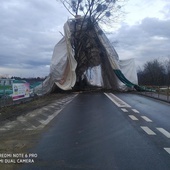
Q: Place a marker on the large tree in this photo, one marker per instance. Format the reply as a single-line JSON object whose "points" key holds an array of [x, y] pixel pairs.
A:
{"points": [[100, 10], [88, 13]]}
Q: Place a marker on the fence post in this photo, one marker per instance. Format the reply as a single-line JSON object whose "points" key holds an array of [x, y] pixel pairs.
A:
{"points": [[4, 92], [33, 92], [42, 88], [158, 91], [168, 94], [151, 90]]}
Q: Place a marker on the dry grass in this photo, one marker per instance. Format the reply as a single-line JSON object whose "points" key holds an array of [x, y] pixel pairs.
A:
{"points": [[20, 141], [11, 112]]}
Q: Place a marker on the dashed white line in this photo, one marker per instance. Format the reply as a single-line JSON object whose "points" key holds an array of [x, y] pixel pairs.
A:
{"points": [[167, 149], [124, 110], [134, 110], [133, 117], [148, 130], [146, 119], [164, 132]]}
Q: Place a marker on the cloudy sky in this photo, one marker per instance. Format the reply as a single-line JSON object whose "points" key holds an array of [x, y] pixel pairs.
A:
{"points": [[29, 30]]}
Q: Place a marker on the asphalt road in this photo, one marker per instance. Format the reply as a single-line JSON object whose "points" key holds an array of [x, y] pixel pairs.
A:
{"points": [[99, 132]]}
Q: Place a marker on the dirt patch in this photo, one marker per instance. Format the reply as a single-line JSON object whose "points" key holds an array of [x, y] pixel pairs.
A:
{"points": [[16, 142]]}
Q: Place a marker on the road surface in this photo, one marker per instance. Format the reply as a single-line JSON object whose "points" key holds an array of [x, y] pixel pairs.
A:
{"points": [[106, 132]]}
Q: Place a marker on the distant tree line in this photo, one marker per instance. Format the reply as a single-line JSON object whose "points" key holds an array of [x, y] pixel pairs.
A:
{"points": [[30, 80], [155, 73]]}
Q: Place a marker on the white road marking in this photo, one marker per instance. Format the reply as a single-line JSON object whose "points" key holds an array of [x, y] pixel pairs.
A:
{"points": [[51, 106], [3, 129], [148, 130], [146, 119], [134, 110], [26, 120], [45, 108], [21, 118], [167, 149], [118, 102], [133, 117], [124, 110], [164, 132], [29, 125], [9, 125], [45, 122]]}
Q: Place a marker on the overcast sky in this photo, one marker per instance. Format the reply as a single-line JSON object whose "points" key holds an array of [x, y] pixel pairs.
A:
{"points": [[29, 30]]}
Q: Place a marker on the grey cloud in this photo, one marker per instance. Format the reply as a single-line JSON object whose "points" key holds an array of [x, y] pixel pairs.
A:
{"points": [[29, 31], [145, 41], [154, 26]]}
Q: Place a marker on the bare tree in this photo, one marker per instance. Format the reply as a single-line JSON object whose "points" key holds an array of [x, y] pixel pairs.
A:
{"points": [[167, 69], [152, 74], [104, 12], [100, 10], [88, 52]]}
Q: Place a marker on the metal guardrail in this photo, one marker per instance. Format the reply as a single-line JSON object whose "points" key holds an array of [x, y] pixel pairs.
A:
{"points": [[159, 92]]}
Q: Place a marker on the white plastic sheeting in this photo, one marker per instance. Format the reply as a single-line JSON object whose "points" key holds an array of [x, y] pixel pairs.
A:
{"points": [[69, 77], [45, 87], [63, 65], [94, 76], [62, 68], [59, 60], [128, 68], [111, 53]]}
